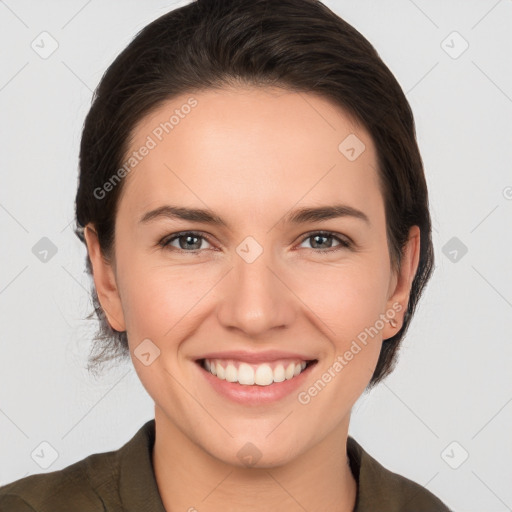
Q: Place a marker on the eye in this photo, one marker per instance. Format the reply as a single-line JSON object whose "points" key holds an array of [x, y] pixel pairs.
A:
{"points": [[188, 241], [325, 238], [191, 241]]}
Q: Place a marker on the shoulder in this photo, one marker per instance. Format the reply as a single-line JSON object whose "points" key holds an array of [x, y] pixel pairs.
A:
{"points": [[82, 484], [113, 481], [386, 491]]}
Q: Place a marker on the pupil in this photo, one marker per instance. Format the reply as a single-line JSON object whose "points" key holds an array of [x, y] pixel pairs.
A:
{"points": [[317, 237], [188, 240]]}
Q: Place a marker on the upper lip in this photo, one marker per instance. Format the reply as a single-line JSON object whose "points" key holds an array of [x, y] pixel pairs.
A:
{"points": [[256, 357]]}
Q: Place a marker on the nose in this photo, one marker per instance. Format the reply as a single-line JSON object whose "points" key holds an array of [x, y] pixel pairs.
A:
{"points": [[256, 298]]}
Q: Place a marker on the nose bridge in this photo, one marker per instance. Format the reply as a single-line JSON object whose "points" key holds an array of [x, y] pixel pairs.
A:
{"points": [[256, 300]]}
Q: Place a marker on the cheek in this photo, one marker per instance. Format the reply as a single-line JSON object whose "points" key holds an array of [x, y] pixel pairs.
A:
{"points": [[159, 300], [349, 301], [348, 297]]}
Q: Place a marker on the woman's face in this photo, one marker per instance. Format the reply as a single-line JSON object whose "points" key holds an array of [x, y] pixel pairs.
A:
{"points": [[257, 281]]}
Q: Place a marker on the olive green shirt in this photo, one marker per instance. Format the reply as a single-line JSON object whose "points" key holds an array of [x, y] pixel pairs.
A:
{"points": [[123, 481]]}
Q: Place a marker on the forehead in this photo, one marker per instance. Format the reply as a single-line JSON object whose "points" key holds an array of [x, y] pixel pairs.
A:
{"points": [[250, 148]]}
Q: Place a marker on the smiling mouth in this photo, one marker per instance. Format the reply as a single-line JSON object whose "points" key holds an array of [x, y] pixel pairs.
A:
{"points": [[263, 374]]}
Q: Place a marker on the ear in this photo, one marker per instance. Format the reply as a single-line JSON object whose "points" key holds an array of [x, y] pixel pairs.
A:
{"points": [[104, 281], [401, 282]]}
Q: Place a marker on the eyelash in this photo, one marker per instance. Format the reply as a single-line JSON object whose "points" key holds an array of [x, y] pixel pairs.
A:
{"points": [[344, 244]]}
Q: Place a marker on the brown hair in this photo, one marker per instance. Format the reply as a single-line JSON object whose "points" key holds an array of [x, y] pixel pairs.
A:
{"points": [[299, 45]]}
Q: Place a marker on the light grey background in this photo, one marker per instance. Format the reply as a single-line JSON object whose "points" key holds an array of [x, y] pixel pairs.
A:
{"points": [[453, 381]]}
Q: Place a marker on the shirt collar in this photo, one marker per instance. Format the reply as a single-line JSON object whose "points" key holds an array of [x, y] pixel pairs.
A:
{"points": [[137, 483], [139, 491]]}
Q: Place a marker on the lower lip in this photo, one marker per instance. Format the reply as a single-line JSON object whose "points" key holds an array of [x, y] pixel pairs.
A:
{"points": [[255, 395]]}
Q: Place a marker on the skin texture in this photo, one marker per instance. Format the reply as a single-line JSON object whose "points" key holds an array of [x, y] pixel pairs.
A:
{"points": [[251, 155]]}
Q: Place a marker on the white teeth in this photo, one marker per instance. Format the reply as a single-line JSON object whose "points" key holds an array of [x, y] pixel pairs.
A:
{"points": [[245, 374], [279, 375], [231, 373], [264, 376], [221, 373], [248, 375], [290, 371]]}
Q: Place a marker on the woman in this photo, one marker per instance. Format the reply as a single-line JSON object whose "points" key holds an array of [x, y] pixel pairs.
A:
{"points": [[253, 203]]}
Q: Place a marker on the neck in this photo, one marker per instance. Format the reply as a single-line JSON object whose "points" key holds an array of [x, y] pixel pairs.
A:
{"points": [[191, 479]]}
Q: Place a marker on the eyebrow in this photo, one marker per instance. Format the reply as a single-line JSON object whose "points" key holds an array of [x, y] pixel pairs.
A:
{"points": [[298, 216]]}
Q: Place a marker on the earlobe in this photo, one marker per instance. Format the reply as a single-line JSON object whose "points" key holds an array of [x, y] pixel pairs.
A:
{"points": [[104, 281], [399, 298]]}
